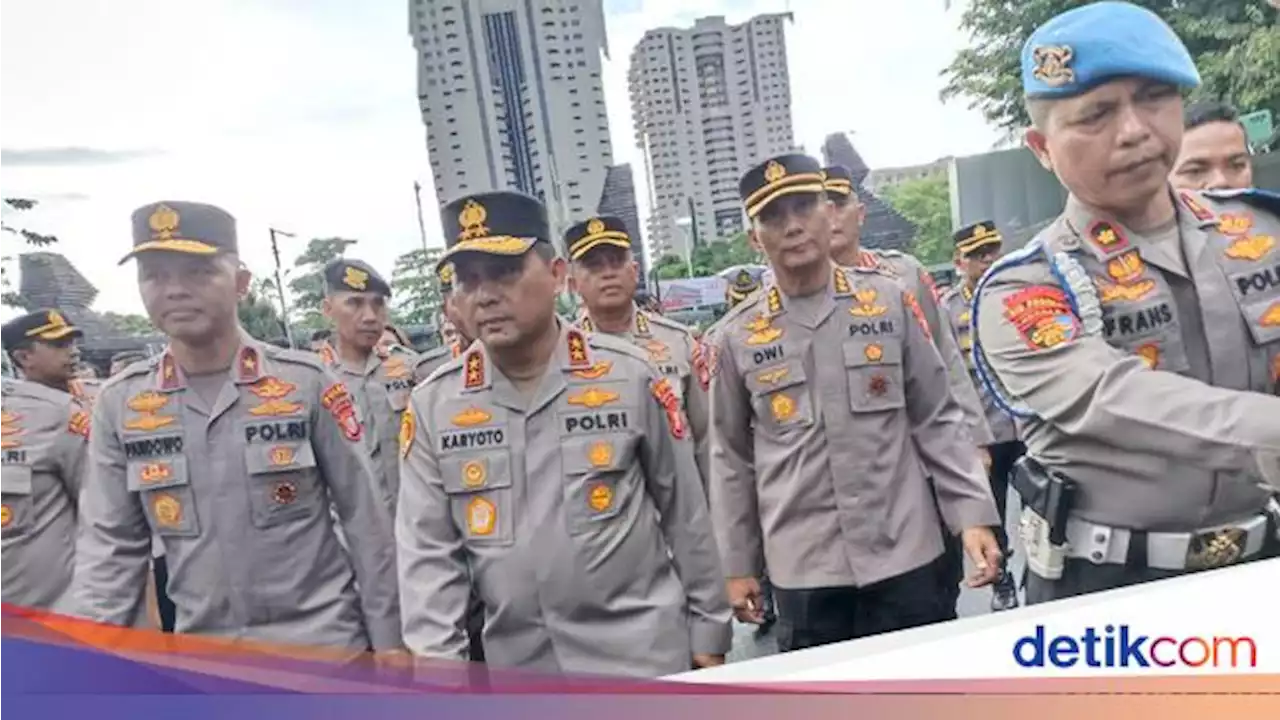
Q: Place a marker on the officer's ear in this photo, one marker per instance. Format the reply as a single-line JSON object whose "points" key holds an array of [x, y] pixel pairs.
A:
{"points": [[753, 240], [326, 307], [1038, 143], [560, 272]]}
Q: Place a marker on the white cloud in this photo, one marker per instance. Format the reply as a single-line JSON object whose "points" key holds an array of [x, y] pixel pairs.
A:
{"points": [[302, 114]]}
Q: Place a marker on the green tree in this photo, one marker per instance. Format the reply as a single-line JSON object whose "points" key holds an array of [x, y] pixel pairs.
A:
{"points": [[130, 324], [1235, 43], [709, 259], [307, 287], [926, 203], [30, 238], [258, 312], [671, 267], [416, 287]]}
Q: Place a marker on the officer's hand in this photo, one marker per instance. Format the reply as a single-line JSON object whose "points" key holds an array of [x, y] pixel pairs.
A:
{"points": [[744, 596], [983, 550], [985, 454], [703, 660]]}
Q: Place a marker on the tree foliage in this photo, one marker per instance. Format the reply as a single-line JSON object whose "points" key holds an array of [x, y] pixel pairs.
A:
{"points": [[415, 287], [30, 238], [1235, 43], [926, 203], [258, 310], [709, 259], [130, 324], [307, 286]]}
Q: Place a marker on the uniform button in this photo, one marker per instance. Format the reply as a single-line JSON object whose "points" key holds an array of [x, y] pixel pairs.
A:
{"points": [[1096, 555], [1099, 538]]}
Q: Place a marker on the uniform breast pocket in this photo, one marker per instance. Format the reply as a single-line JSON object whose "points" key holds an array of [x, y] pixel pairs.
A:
{"points": [[780, 397], [164, 486], [480, 497], [15, 507], [874, 373], [283, 482], [596, 469]]}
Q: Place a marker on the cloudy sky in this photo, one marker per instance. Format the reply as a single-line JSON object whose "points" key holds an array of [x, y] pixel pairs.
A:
{"points": [[302, 114]]}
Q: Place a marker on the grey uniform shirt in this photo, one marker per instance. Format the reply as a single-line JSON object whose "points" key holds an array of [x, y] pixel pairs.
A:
{"points": [[955, 303], [45, 434], [382, 386], [577, 515], [826, 432], [1159, 407], [239, 493], [677, 354], [916, 279]]}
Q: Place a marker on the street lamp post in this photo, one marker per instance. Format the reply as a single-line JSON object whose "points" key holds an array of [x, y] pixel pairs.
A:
{"points": [[284, 305]]}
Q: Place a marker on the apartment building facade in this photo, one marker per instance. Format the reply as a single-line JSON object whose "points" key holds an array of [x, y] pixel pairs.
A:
{"points": [[707, 103], [512, 98]]}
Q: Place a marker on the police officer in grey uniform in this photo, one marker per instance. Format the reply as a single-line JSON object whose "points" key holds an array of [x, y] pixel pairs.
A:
{"points": [[380, 377], [846, 248], [977, 246], [44, 435], [604, 274], [1137, 337], [830, 410], [230, 451], [452, 339], [552, 470]]}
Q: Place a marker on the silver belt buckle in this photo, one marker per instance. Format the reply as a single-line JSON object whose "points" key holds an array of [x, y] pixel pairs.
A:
{"points": [[1215, 548]]}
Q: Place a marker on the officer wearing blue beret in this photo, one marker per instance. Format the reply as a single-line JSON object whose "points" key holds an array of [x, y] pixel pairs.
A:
{"points": [[1137, 337]]}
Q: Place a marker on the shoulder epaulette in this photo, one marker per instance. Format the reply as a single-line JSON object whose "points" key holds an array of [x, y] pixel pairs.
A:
{"points": [[1265, 199], [132, 370], [297, 357], [433, 354], [888, 252], [616, 344], [449, 366], [669, 323]]}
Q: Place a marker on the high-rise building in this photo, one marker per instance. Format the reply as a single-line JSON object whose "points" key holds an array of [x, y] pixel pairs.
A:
{"points": [[511, 97], [707, 103]]}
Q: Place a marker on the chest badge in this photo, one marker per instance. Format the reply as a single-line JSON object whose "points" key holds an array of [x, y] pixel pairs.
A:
{"points": [[9, 429], [866, 304], [1271, 318], [167, 510], [658, 351], [600, 497], [600, 454], [471, 417], [874, 352], [6, 516], [147, 404], [593, 398], [773, 377], [1230, 224], [878, 386], [1127, 268], [273, 391], [284, 492], [1150, 354], [280, 456], [395, 368], [474, 474], [782, 407], [595, 372], [482, 516], [764, 335], [1252, 247], [156, 472]]}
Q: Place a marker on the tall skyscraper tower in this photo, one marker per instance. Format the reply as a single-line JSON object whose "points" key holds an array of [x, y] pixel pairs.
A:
{"points": [[512, 98], [707, 103]]}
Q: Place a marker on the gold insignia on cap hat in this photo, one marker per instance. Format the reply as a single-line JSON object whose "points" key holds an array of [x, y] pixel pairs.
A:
{"points": [[773, 172], [356, 278], [1052, 65], [595, 226], [446, 273], [56, 319], [163, 222], [472, 220]]}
